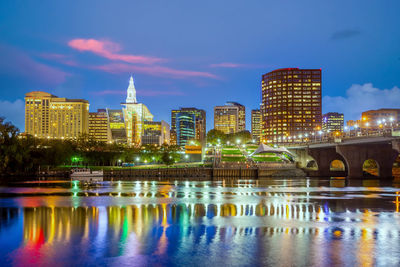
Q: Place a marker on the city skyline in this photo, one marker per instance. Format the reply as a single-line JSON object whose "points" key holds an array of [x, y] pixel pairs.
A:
{"points": [[181, 65]]}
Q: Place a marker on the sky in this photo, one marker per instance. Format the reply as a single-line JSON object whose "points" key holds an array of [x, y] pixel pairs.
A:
{"points": [[197, 53]]}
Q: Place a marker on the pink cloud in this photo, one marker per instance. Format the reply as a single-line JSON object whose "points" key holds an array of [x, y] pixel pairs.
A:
{"points": [[139, 92], [155, 71], [109, 50]]}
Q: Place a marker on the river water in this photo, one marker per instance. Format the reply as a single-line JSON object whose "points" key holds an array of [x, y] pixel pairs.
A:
{"points": [[272, 222]]}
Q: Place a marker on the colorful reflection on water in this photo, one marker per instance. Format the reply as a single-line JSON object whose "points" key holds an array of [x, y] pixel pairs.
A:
{"points": [[280, 222]]}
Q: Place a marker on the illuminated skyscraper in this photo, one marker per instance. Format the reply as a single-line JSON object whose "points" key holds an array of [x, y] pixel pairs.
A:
{"points": [[48, 116], [99, 126], [256, 124], [291, 104], [188, 124], [37, 114], [135, 114], [333, 122], [156, 133], [117, 125], [230, 118]]}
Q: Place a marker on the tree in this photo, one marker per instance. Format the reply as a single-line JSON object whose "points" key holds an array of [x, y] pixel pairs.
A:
{"points": [[169, 154], [166, 158], [14, 152], [216, 136], [243, 137]]}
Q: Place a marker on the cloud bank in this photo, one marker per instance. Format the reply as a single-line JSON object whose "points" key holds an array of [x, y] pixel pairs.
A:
{"points": [[360, 98]]}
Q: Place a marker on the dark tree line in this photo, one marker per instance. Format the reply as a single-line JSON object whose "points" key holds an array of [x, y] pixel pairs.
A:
{"points": [[21, 154]]}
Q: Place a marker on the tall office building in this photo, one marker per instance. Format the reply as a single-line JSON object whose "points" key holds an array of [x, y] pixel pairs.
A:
{"points": [[333, 122], [117, 125], [230, 118], [187, 124], [37, 114], [135, 114], [48, 116], [291, 104], [241, 115], [99, 126], [256, 124], [155, 133]]}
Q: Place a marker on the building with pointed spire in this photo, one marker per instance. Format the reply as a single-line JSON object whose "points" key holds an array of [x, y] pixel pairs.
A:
{"points": [[135, 114], [131, 92]]}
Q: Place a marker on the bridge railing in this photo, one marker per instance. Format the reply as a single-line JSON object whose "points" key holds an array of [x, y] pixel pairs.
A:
{"points": [[339, 139]]}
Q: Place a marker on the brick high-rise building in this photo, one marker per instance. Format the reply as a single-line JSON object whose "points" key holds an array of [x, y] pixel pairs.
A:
{"points": [[291, 104]]}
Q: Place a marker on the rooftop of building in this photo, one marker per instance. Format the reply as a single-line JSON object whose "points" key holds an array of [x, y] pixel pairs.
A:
{"points": [[383, 110], [39, 94], [292, 69], [333, 114], [64, 100]]}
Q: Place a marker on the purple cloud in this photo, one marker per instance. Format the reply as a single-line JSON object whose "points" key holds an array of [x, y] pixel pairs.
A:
{"points": [[154, 70], [17, 63]]}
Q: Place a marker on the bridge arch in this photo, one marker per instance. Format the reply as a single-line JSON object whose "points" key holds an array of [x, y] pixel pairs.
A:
{"points": [[312, 164], [384, 154], [324, 156], [337, 165], [370, 167]]}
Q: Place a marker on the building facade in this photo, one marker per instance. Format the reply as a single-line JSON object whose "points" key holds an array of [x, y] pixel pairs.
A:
{"points": [[241, 115], [155, 133], [230, 118], [333, 122], [135, 114], [353, 123], [99, 126], [256, 124], [291, 104], [380, 118], [188, 124], [37, 114], [117, 125], [48, 116]]}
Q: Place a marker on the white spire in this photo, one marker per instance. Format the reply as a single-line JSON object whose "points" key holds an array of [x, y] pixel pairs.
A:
{"points": [[131, 92]]}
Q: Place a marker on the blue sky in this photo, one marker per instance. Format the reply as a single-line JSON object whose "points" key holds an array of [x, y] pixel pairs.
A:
{"points": [[197, 53]]}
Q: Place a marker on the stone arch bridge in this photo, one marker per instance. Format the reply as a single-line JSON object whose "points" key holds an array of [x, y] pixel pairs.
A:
{"points": [[353, 153]]}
